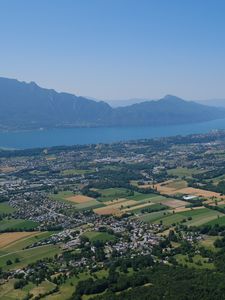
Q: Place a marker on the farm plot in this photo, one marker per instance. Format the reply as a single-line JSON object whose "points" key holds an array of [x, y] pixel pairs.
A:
{"points": [[195, 217], [173, 203], [151, 207], [142, 197], [79, 199], [17, 224], [119, 206], [199, 193], [5, 208], [137, 207], [62, 196], [7, 291], [99, 236], [152, 217], [7, 169], [89, 205], [75, 172], [44, 287], [107, 210], [184, 172], [198, 262], [220, 220], [14, 241], [27, 256], [113, 193], [9, 238], [208, 242], [172, 187]]}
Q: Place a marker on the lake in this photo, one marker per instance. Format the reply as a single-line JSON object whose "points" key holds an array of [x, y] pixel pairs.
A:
{"points": [[72, 136]]}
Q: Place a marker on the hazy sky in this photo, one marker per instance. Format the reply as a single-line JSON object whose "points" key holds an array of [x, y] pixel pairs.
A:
{"points": [[116, 49]]}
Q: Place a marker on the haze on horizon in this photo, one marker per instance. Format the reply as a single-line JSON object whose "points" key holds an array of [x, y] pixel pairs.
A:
{"points": [[116, 49]]}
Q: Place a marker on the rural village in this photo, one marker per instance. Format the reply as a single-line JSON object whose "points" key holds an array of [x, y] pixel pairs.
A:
{"points": [[74, 214]]}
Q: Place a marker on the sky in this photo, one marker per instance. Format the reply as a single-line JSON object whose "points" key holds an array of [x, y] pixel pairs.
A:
{"points": [[116, 49]]}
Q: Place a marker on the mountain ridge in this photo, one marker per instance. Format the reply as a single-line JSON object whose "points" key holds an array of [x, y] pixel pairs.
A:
{"points": [[29, 106]]}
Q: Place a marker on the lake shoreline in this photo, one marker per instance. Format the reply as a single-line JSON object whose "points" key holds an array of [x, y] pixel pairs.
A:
{"points": [[95, 135]]}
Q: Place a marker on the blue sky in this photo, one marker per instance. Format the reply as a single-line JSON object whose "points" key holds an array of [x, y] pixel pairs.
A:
{"points": [[116, 49]]}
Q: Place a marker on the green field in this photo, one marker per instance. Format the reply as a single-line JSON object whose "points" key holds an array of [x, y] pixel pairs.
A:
{"points": [[99, 236], [208, 243], [113, 193], [24, 242], [199, 217], [75, 172], [219, 221], [27, 256], [17, 224], [184, 172], [66, 289], [152, 217], [142, 197], [160, 199], [198, 262], [177, 184], [7, 291], [61, 196], [169, 220], [89, 205], [5, 208], [217, 179], [37, 172], [157, 207]]}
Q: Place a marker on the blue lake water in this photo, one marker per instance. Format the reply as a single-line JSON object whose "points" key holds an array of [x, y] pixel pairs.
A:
{"points": [[56, 137]]}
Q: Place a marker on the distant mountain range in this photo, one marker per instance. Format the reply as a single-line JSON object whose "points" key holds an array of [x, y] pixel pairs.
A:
{"points": [[213, 102], [28, 106]]}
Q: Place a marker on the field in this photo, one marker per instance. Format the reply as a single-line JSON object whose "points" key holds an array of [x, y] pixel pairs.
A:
{"points": [[177, 184], [89, 205], [99, 236], [37, 172], [27, 256], [62, 196], [141, 197], [112, 194], [5, 208], [138, 208], [195, 217], [79, 199], [152, 217], [174, 187], [7, 291], [80, 202], [107, 210], [129, 204], [116, 201], [75, 172], [122, 203], [7, 169], [66, 289], [116, 207], [167, 201], [9, 238], [184, 172], [198, 262], [220, 221], [208, 243], [14, 241], [17, 224]]}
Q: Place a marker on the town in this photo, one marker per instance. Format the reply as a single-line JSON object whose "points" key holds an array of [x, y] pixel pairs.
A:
{"points": [[82, 213]]}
